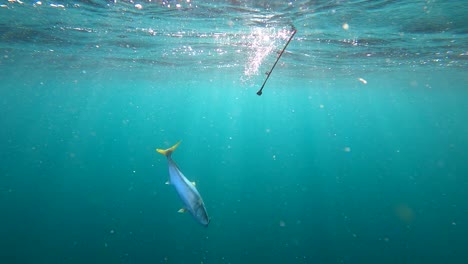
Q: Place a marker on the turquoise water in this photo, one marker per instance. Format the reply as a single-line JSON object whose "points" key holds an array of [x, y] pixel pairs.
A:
{"points": [[355, 152]]}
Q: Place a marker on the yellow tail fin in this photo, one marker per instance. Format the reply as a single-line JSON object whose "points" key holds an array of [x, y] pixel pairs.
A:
{"points": [[168, 152]]}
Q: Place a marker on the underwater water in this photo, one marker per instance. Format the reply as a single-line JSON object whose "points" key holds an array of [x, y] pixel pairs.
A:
{"points": [[355, 153]]}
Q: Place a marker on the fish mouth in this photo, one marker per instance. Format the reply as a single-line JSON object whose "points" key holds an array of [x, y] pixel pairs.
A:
{"points": [[206, 223]]}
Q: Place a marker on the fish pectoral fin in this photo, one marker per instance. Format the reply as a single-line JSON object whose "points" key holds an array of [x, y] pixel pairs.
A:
{"points": [[167, 183], [182, 210], [194, 183]]}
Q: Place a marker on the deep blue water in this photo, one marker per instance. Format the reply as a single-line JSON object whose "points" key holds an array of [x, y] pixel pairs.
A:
{"points": [[355, 152]]}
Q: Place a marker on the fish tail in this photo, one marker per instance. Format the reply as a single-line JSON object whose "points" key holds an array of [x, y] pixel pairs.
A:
{"points": [[168, 152]]}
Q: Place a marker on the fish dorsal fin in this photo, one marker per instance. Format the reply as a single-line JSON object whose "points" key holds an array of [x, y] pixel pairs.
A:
{"points": [[182, 210]]}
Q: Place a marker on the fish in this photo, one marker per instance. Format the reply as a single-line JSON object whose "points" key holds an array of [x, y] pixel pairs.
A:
{"points": [[188, 193]]}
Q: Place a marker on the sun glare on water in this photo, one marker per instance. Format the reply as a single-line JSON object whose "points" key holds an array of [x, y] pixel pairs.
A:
{"points": [[262, 42]]}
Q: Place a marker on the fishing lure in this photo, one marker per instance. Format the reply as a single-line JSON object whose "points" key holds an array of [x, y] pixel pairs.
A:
{"points": [[268, 73]]}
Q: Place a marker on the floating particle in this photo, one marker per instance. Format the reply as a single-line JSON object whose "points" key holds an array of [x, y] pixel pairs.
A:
{"points": [[362, 80], [405, 213], [345, 26], [347, 149]]}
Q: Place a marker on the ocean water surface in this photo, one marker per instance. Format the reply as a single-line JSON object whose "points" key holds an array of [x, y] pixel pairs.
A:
{"points": [[355, 153]]}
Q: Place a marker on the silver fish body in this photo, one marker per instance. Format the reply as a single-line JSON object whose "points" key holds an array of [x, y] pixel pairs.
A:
{"points": [[186, 190]]}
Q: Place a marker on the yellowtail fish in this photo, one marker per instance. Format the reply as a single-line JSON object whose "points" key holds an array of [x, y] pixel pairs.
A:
{"points": [[187, 191]]}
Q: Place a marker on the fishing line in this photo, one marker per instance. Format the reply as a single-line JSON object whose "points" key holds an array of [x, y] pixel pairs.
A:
{"points": [[268, 73]]}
